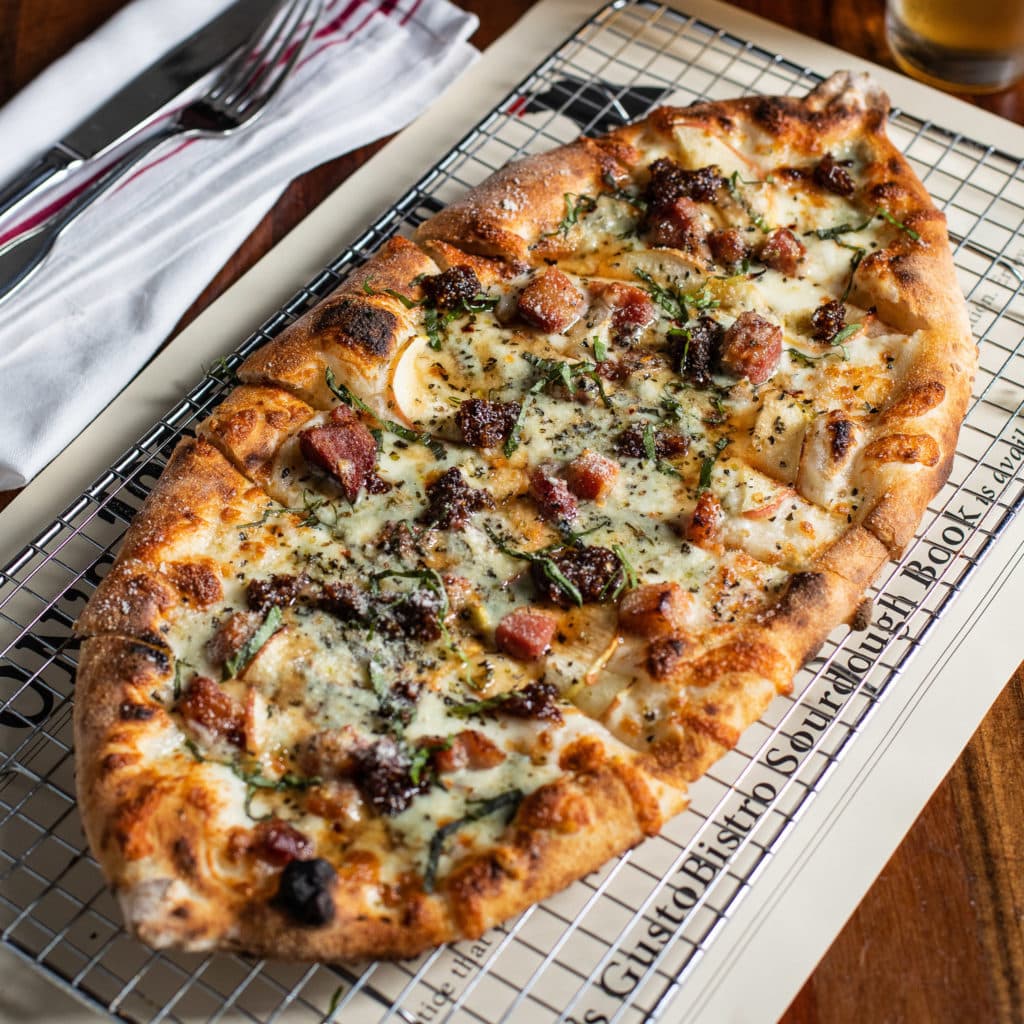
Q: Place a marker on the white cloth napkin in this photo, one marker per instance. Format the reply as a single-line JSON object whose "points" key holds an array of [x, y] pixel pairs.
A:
{"points": [[122, 275]]}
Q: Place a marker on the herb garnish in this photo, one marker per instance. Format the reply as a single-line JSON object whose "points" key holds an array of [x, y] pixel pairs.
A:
{"points": [[434, 319], [734, 190], [478, 707], [419, 761], [628, 571], [614, 191], [859, 252], [312, 504], [804, 359], [240, 659], [833, 233], [510, 800], [548, 566], [343, 394], [335, 1000], [576, 204], [880, 212], [847, 332], [557, 371], [677, 304], [176, 685], [255, 781], [651, 452], [708, 464]]}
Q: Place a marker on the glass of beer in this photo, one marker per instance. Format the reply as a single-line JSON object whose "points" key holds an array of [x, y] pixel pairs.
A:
{"points": [[965, 45]]}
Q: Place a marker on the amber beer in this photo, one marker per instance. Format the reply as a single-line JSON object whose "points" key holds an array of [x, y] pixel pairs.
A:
{"points": [[972, 45]]}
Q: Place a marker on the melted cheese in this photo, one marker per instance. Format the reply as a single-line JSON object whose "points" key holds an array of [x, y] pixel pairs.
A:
{"points": [[782, 503]]}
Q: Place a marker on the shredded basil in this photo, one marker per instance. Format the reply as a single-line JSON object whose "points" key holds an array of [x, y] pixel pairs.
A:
{"points": [[571, 536], [255, 781], [420, 760], [847, 332], [677, 304], [344, 394], [512, 441], [629, 581], [176, 686], [833, 233], [547, 564], [614, 191], [576, 205], [880, 212], [434, 320], [335, 1000], [600, 349], [557, 371], [509, 800], [708, 464], [651, 453], [720, 414], [431, 578], [858, 254], [734, 190], [669, 299], [241, 658], [804, 359], [190, 746], [478, 707], [312, 504]]}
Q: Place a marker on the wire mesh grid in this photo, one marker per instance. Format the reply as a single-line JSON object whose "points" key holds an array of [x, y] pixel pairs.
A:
{"points": [[618, 944]]}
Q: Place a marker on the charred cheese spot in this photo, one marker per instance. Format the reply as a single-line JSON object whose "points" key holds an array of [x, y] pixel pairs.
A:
{"points": [[916, 401], [198, 582], [920, 449]]}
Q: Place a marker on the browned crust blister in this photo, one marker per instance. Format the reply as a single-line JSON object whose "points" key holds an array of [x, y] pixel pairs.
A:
{"points": [[147, 822]]}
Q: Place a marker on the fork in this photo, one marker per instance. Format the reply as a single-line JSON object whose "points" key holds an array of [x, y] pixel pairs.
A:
{"points": [[238, 95]]}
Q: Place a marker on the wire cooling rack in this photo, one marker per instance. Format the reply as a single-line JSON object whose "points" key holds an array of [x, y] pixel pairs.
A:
{"points": [[618, 944]]}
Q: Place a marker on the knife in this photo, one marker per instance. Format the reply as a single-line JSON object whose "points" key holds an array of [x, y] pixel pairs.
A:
{"points": [[142, 96]]}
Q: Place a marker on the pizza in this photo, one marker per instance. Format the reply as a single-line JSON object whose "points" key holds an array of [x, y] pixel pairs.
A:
{"points": [[492, 554]]}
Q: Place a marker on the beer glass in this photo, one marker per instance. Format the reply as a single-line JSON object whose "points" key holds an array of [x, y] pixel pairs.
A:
{"points": [[966, 45]]}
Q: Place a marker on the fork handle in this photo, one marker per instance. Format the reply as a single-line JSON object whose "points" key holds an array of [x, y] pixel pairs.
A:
{"points": [[20, 258]]}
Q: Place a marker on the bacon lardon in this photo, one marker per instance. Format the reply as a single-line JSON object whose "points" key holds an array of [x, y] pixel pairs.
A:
{"points": [[679, 225], [782, 251], [729, 247], [592, 476], [525, 634], [551, 493], [751, 347], [552, 302]]}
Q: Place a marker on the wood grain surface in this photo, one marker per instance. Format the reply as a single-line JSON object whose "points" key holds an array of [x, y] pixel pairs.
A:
{"points": [[939, 936]]}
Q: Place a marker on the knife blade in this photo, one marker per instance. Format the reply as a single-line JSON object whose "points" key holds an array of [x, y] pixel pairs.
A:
{"points": [[120, 115]]}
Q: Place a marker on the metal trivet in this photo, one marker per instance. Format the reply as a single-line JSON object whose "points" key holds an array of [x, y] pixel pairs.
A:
{"points": [[621, 941]]}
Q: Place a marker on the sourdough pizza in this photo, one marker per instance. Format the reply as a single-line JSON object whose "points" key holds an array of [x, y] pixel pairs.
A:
{"points": [[494, 552]]}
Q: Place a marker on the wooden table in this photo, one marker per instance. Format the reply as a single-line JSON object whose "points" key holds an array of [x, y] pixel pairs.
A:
{"points": [[938, 937]]}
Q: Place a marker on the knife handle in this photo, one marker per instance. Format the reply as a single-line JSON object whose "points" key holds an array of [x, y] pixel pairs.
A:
{"points": [[55, 161], [23, 255]]}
